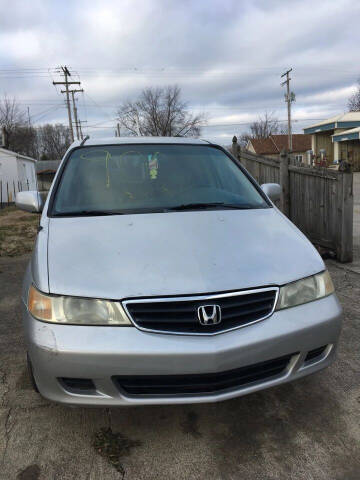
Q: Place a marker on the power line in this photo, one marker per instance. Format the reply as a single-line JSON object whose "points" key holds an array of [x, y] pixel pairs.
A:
{"points": [[45, 112], [97, 105], [84, 108], [249, 123], [98, 126], [220, 71]]}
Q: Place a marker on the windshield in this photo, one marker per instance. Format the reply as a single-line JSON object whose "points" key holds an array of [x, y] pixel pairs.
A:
{"points": [[150, 178]]}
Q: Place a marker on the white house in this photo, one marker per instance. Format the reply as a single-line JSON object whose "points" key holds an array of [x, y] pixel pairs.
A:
{"points": [[17, 172]]}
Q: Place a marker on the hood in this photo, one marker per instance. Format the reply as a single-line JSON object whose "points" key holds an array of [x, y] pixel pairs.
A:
{"points": [[173, 253]]}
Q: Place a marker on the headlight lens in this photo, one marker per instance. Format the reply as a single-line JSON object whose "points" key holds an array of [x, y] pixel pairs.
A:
{"points": [[74, 310], [305, 290]]}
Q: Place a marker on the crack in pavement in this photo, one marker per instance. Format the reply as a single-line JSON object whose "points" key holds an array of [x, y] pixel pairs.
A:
{"points": [[5, 383], [7, 434]]}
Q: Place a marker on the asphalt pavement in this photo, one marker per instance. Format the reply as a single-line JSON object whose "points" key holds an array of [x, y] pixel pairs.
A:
{"points": [[309, 429]]}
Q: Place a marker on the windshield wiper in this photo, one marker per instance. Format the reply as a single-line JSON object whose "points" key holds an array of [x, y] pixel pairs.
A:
{"points": [[210, 205], [89, 213]]}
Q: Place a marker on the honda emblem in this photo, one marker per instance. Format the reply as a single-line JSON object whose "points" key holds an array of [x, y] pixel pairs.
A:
{"points": [[209, 314]]}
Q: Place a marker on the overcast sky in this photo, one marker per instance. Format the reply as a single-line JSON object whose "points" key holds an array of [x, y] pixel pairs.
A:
{"points": [[226, 55]]}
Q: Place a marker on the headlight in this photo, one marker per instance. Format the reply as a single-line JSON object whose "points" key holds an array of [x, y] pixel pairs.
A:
{"points": [[305, 290], [74, 310]]}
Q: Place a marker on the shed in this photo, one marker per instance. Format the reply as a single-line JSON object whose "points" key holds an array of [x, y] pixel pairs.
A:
{"points": [[17, 173], [46, 170]]}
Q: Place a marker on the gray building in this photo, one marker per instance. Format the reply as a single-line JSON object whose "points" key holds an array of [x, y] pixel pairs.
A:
{"points": [[45, 170]]}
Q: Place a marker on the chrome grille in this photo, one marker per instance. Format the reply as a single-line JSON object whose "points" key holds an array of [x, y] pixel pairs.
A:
{"points": [[179, 315]]}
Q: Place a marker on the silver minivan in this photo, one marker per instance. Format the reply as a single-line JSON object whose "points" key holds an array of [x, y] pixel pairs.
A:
{"points": [[163, 273]]}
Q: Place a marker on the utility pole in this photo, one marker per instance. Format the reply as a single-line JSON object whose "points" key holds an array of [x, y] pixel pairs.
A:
{"points": [[289, 98], [76, 121], [75, 114], [28, 112], [67, 74], [80, 129], [117, 133]]}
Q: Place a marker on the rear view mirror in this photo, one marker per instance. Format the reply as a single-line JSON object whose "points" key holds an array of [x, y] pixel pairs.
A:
{"points": [[31, 201], [272, 190]]}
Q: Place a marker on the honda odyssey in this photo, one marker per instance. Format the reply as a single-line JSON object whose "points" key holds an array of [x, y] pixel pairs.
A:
{"points": [[163, 273]]}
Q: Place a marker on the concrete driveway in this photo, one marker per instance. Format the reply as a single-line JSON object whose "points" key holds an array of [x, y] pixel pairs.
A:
{"points": [[305, 430]]}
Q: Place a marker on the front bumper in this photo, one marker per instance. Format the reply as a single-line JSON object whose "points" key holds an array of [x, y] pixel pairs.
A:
{"points": [[101, 353]]}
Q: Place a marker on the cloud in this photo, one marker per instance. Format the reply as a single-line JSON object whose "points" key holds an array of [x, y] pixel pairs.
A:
{"points": [[226, 55]]}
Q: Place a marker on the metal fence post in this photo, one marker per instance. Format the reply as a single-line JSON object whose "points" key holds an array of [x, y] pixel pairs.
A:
{"points": [[285, 183]]}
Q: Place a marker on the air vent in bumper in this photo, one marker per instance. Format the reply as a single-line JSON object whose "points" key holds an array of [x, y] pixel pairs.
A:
{"points": [[202, 384]]}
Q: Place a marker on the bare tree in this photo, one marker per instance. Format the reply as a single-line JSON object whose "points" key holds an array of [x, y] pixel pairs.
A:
{"points": [[24, 140], [10, 114], [159, 112], [354, 100], [265, 126], [53, 141], [21, 137], [47, 141]]}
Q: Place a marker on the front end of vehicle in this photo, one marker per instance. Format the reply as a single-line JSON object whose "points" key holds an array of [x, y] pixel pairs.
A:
{"points": [[112, 364], [163, 274]]}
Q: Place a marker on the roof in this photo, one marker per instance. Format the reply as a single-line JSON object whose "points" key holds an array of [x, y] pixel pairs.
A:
{"points": [[352, 134], [132, 140], [47, 166], [344, 120], [264, 146], [300, 142], [275, 143], [17, 155]]}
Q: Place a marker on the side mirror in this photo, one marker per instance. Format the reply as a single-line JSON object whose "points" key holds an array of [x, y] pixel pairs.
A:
{"points": [[272, 190], [31, 201]]}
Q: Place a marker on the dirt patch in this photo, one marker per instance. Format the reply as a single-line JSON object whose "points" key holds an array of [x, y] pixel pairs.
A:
{"points": [[24, 382], [17, 231], [191, 424], [114, 446]]}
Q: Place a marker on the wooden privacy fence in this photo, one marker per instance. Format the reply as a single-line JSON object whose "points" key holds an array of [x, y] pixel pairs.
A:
{"points": [[9, 189], [318, 201]]}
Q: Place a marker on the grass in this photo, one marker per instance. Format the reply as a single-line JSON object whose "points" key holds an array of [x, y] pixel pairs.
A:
{"points": [[7, 210], [18, 231]]}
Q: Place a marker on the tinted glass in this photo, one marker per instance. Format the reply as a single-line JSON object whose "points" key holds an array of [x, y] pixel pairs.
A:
{"points": [[141, 178]]}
